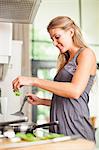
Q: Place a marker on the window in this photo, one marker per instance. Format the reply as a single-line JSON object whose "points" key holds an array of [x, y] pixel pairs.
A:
{"points": [[43, 55]]}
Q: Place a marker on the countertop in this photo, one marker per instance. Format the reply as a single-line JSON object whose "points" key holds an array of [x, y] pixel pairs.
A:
{"points": [[78, 144]]}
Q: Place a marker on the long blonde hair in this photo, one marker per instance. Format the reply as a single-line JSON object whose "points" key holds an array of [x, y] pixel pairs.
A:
{"points": [[66, 23]]}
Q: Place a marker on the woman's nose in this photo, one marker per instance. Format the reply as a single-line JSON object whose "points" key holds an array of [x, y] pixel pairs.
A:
{"points": [[55, 42]]}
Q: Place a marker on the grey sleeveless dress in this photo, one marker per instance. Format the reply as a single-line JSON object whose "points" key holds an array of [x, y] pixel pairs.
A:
{"points": [[73, 114]]}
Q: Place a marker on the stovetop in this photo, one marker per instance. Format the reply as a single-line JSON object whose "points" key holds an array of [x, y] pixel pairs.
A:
{"points": [[6, 120]]}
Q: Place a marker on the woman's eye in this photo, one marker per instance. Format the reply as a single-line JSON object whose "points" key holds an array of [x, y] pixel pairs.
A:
{"points": [[57, 37]]}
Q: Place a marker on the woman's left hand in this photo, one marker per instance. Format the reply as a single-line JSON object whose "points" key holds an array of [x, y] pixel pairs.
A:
{"points": [[21, 81]]}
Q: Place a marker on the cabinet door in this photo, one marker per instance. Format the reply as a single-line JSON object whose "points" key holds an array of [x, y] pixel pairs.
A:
{"points": [[5, 39], [14, 69]]}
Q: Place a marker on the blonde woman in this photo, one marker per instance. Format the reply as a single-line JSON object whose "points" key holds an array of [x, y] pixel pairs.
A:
{"points": [[72, 83]]}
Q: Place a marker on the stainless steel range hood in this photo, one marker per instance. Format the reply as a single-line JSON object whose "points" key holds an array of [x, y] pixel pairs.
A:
{"points": [[18, 11]]}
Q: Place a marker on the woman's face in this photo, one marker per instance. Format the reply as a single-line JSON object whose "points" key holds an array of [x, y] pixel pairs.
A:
{"points": [[62, 39]]}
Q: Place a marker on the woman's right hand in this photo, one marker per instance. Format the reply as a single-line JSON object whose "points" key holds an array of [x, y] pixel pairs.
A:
{"points": [[23, 80], [33, 99]]}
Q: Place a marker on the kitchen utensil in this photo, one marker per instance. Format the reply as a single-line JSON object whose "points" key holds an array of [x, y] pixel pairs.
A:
{"points": [[30, 127], [20, 113]]}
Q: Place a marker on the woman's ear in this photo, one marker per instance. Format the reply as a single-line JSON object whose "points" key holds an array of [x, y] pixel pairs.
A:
{"points": [[72, 32]]}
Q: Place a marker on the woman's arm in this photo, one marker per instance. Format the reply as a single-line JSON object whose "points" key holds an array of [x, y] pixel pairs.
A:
{"points": [[86, 67], [35, 100], [86, 61]]}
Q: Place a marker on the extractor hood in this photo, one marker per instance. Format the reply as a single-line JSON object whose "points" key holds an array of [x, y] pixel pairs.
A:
{"points": [[18, 11]]}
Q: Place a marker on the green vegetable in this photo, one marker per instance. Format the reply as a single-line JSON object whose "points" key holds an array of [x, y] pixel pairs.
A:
{"points": [[17, 93], [52, 136], [27, 137], [30, 137]]}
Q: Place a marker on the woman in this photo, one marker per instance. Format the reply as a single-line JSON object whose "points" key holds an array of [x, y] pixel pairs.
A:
{"points": [[72, 83]]}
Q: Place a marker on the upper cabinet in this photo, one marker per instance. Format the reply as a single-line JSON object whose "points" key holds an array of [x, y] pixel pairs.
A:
{"points": [[5, 42]]}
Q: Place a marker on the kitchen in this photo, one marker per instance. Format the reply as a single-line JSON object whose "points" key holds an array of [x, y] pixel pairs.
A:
{"points": [[20, 44]]}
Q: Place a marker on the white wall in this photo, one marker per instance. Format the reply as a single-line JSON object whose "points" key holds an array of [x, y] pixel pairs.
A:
{"points": [[90, 26], [14, 70], [90, 23], [51, 8], [94, 100]]}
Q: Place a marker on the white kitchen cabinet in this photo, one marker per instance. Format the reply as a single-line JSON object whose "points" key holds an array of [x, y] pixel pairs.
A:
{"points": [[5, 47], [14, 70], [5, 39]]}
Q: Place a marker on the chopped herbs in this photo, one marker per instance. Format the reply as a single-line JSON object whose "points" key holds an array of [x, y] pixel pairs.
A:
{"points": [[17, 93]]}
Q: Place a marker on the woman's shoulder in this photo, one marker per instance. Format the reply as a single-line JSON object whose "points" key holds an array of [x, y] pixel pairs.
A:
{"points": [[87, 56], [87, 53]]}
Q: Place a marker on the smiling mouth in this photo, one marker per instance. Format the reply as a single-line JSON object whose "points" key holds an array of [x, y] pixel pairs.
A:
{"points": [[60, 46]]}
